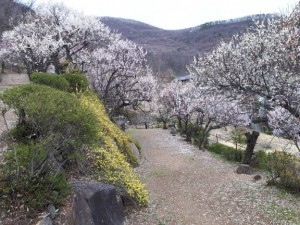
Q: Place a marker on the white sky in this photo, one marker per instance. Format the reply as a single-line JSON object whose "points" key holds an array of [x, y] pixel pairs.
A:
{"points": [[178, 14]]}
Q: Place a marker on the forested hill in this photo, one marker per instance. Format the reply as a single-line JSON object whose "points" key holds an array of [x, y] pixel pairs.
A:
{"points": [[11, 12], [169, 51]]}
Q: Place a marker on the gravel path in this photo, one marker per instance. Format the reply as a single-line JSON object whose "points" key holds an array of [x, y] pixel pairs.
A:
{"points": [[10, 80], [191, 187]]}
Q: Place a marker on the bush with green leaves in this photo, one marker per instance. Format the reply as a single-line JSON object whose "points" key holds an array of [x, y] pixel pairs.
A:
{"points": [[226, 152], [58, 118], [30, 182], [198, 135], [60, 132], [71, 82], [285, 170], [51, 80], [77, 82], [283, 167], [238, 136], [56, 130], [260, 160]]}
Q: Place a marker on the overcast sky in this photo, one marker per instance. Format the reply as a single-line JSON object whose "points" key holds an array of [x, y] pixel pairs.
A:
{"points": [[178, 14]]}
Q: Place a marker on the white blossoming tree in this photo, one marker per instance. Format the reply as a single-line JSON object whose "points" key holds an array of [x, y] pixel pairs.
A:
{"points": [[58, 36], [120, 76], [205, 110], [53, 34], [176, 100], [285, 123], [263, 63]]}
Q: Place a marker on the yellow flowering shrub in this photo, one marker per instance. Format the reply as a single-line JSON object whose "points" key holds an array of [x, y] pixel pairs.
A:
{"points": [[113, 158], [108, 128]]}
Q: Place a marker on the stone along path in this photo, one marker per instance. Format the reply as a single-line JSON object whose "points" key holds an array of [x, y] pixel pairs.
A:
{"points": [[191, 187]]}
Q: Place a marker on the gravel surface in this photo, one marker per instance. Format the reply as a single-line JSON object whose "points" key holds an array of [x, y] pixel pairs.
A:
{"points": [[10, 80], [188, 187]]}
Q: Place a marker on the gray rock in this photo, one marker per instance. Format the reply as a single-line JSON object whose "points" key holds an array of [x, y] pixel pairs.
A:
{"points": [[51, 69], [257, 177], [244, 169], [173, 131], [45, 221], [122, 124], [95, 204], [51, 211]]}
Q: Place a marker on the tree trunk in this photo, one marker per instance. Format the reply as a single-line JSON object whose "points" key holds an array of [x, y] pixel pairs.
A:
{"points": [[251, 142], [146, 125], [203, 134], [202, 139], [186, 126], [165, 125], [180, 124], [189, 132], [2, 67]]}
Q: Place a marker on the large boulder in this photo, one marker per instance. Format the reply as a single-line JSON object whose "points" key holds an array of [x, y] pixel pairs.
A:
{"points": [[95, 204], [244, 169]]}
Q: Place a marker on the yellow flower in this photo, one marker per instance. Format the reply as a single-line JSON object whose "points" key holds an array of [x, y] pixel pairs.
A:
{"points": [[113, 158]]}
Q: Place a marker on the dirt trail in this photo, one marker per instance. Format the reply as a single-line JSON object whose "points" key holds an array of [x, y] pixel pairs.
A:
{"points": [[9, 80], [191, 187]]}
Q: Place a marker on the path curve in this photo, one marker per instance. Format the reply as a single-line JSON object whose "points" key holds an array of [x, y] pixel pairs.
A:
{"points": [[191, 187]]}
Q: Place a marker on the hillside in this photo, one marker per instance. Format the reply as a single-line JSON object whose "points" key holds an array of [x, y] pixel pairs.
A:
{"points": [[169, 51], [11, 12]]}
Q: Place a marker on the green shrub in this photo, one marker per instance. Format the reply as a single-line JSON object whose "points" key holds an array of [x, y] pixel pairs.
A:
{"points": [[29, 182], [60, 130], [260, 160], [22, 132], [54, 81], [285, 170], [226, 152], [58, 118], [238, 136], [77, 82], [198, 135], [65, 82]]}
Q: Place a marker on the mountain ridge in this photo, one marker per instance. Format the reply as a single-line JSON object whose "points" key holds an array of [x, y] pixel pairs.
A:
{"points": [[169, 51]]}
